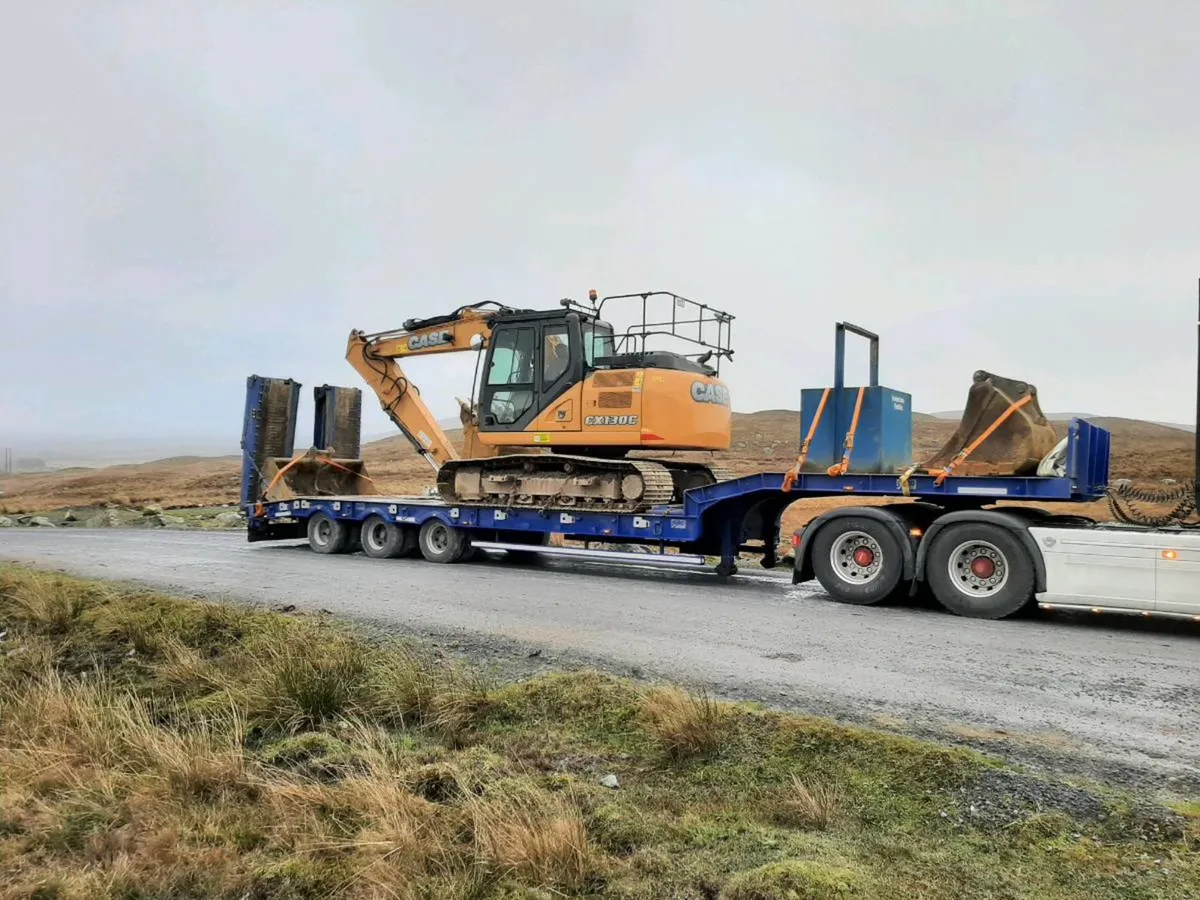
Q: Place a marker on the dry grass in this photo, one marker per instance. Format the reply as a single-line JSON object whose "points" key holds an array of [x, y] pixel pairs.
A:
{"points": [[808, 803], [244, 755], [539, 837], [47, 606], [685, 725]]}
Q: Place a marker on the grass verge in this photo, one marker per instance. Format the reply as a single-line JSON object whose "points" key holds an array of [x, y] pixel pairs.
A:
{"points": [[153, 747]]}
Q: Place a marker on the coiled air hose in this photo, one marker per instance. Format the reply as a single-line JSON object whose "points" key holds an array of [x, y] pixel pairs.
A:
{"points": [[1122, 498]]}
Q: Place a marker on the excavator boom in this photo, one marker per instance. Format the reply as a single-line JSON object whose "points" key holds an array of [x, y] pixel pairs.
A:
{"points": [[375, 358]]}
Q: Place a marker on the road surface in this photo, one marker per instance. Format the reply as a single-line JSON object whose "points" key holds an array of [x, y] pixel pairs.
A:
{"points": [[1118, 700]]}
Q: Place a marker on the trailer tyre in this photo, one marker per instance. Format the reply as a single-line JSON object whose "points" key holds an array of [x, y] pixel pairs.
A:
{"points": [[382, 539], [857, 561], [980, 571], [327, 534], [441, 543]]}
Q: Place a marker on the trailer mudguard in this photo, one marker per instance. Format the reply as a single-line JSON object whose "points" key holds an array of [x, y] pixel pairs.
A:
{"points": [[1015, 521]]}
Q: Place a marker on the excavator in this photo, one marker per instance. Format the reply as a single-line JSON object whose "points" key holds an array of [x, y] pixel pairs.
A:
{"points": [[563, 400]]}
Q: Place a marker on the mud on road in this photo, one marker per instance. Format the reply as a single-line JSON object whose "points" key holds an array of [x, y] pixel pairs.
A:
{"points": [[1116, 700]]}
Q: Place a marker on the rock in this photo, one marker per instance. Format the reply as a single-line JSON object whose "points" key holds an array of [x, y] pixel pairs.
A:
{"points": [[164, 521], [152, 510], [610, 781], [40, 522], [108, 519], [6, 522], [230, 519], [70, 516]]}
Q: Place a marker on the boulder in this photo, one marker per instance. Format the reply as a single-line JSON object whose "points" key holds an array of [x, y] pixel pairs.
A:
{"points": [[230, 519], [40, 522], [164, 521], [6, 522], [108, 519], [152, 510], [70, 516]]}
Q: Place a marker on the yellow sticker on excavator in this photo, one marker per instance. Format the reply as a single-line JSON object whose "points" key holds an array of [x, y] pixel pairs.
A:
{"points": [[637, 381], [541, 438]]}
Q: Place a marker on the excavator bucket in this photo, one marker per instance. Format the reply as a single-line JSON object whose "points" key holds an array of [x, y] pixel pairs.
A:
{"points": [[315, 474], [1015, 446]]}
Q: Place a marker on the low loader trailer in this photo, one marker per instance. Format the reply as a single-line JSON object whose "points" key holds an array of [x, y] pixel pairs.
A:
{"points": [[959, 531]]}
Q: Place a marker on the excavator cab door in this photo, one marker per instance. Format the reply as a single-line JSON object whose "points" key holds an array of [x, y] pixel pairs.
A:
{"points": [[530, 363]]}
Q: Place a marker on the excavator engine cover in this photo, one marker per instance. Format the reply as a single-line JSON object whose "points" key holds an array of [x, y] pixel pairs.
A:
{"points": [[1016, 447]]}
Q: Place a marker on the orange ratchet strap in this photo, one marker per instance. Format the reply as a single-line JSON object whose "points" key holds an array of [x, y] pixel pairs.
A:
{"points": [[316, 457], [790, 478], [974, 445], [844, 466]]}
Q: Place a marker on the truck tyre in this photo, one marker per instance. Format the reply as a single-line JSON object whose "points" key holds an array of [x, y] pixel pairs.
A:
{"points": [[382, 539], [979, 570], [327, 534], [441, 543], [857, 561]]}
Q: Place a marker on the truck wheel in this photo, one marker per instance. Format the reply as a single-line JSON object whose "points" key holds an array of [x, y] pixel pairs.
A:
{"points": [[382, 539], [327, 534], [857, 561], [442, 544], [979, 570]]}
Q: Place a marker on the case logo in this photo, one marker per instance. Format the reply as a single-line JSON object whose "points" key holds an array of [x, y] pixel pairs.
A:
{"points": [[433, 339], [610, 420], [705, 392]]}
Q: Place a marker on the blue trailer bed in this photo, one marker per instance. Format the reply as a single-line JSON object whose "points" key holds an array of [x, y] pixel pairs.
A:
{"points": [[717, 520]]}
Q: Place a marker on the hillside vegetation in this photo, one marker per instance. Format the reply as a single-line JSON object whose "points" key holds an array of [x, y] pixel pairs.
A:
{"points": [[166, 749], [762, 442]]}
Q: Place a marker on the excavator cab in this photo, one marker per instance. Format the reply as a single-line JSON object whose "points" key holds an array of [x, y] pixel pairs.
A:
{"points": [[532, 358], [535, 360]]}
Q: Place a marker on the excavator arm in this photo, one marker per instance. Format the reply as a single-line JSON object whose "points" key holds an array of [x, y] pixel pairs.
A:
{"points": [[376, 358]]}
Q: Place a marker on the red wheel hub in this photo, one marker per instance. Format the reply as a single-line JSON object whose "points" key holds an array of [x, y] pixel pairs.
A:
{"points": [[863, 557], [982, 567]]}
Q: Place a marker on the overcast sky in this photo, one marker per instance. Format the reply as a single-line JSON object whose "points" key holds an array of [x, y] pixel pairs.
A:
{"points": [[194, 191]]}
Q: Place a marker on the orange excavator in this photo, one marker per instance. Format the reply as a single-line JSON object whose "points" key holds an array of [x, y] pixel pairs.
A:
{"points": [[563, 400]]}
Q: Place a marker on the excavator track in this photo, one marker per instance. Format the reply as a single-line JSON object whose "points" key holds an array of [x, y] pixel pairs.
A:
{"points": [[557, 482], [687, 475]]}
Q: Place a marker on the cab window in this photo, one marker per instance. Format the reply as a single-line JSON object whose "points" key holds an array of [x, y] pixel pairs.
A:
{"points": [[512, 357], [556, 353], [512, 363]]}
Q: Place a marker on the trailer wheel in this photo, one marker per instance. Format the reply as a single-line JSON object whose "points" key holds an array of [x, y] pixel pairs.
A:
{"points": [[327, 534], [382, 539], [980, 571], [441, 543], [857, 561]]}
